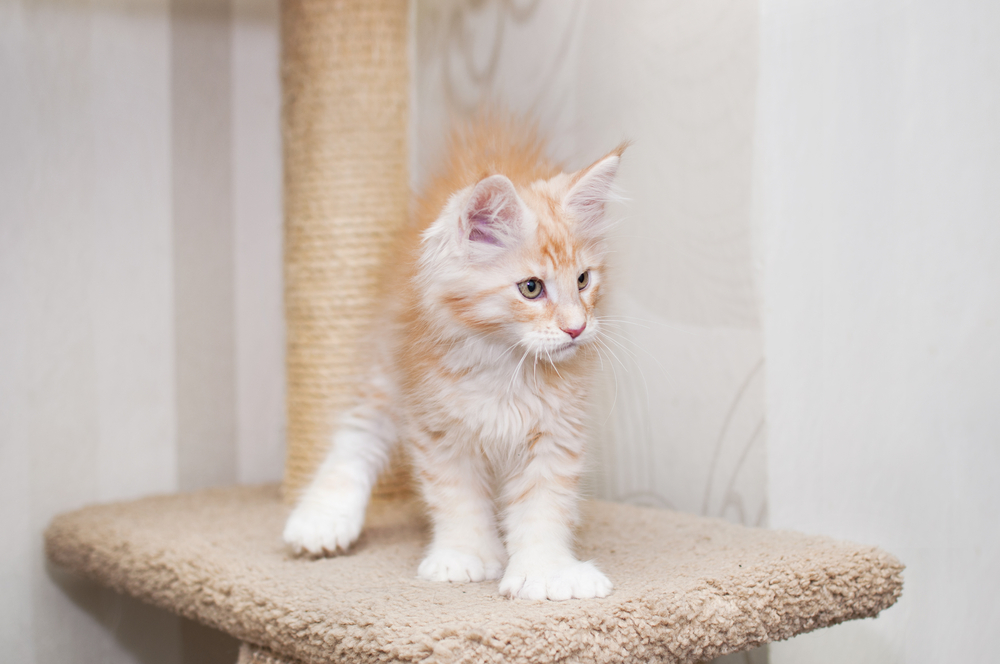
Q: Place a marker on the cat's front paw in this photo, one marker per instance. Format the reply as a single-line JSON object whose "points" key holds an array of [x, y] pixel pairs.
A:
{"points": [[458, 566], [566, 579], [322, 528]]}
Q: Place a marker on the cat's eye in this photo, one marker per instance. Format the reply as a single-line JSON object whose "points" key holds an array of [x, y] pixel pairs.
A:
{"points": [[583, 280], [531, 288]]}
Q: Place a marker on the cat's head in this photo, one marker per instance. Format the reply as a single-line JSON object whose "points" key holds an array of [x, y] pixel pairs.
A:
{"points": [[523, 266]]}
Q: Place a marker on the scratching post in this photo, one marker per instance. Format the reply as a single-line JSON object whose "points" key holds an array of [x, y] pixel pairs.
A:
{"points": [[345, 85]]}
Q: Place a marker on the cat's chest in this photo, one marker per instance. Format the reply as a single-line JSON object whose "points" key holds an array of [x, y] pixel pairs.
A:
{"points": [[489, 406]]}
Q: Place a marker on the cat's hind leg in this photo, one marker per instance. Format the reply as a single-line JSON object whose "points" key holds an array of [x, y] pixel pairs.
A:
{"points": [[330, 513], [456, 484]]}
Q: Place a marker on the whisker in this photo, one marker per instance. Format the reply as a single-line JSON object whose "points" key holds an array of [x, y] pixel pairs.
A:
{"points": [[513, 376], [638, 347], [608, 348], [614, 401], [642, 374], [632, 320], [621, 321], [509, 349], [622, 346], [553, 364]]}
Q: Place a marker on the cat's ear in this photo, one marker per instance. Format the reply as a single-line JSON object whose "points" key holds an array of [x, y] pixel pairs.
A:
{"points": [[590, 191], [494, 214]]}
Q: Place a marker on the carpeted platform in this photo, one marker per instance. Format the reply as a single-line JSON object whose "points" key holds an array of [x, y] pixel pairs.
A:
{"points": [[686, 588]]}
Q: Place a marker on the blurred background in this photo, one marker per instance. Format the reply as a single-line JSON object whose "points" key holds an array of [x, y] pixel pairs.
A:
{"points": [[808, 276]]}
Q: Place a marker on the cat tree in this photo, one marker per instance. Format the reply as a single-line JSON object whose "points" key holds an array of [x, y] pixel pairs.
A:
{"points": [[686, 588]]}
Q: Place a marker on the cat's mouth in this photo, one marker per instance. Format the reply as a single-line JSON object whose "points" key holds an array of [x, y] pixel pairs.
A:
{"points": [[565, 349]]}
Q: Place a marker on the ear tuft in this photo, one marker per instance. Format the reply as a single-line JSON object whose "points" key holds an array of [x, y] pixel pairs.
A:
{"points": [[591, 190], [493, 213]]}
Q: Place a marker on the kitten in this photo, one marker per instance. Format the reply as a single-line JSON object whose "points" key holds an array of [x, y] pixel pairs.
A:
{"points": [[482, 366]]}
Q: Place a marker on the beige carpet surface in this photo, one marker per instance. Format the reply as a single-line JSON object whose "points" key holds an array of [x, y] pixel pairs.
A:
{"points": [[686, 588]]}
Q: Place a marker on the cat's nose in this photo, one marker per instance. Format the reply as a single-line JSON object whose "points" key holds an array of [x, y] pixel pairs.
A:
{"points": [[574, 333]]}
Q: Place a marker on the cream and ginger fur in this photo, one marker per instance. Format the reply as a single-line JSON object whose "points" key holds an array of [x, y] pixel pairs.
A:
{"points": [[486, 385]]}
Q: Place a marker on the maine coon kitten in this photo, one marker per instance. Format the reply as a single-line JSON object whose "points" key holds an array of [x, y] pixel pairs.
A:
{"points": [[482, 366]]}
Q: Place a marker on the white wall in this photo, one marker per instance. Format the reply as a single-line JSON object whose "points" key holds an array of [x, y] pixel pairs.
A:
{"points": [[86, 350], [99, 115], [257, 209], [878, 191]]}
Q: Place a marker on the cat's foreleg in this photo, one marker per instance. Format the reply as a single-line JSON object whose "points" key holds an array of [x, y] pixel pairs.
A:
{"points": [[456, 484], [331, 511], [541, 511]]}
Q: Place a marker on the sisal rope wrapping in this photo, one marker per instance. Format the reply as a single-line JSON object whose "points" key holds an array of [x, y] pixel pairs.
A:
{"points": [[345, 81]]}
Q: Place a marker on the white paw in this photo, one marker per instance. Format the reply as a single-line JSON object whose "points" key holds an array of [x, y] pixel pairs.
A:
{"points": [[567, 579], [458, 566], [325, 527]]}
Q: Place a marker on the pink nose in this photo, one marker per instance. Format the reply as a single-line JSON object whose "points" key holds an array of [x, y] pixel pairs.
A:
{"points": [[573, 334]]}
